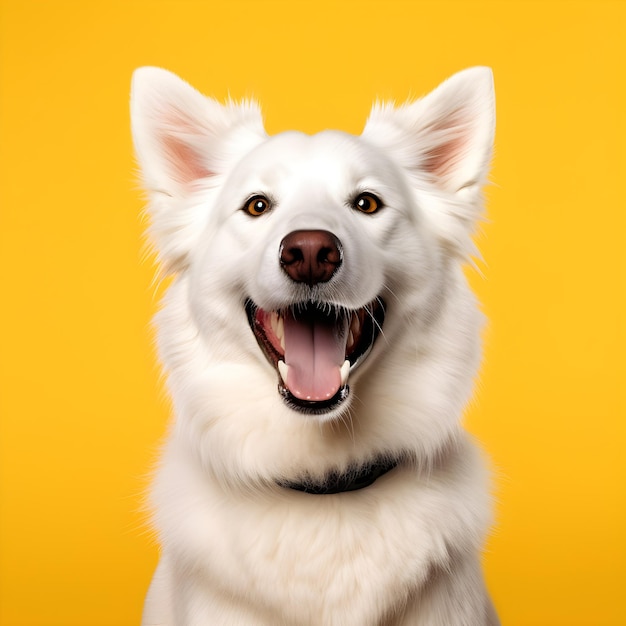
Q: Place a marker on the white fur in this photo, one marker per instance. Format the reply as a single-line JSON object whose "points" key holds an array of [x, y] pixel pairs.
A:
{"points": [[237, 548]]}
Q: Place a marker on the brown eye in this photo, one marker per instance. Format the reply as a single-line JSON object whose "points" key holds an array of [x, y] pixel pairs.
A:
{"points": [[257, 206], [367, 203]]}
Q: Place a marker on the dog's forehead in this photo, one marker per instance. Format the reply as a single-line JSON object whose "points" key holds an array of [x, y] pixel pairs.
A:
{"points": [[299, 147], [291, 156]]}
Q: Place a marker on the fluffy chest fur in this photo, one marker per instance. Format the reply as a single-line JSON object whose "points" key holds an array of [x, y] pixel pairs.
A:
{"points": [[353, 560]]}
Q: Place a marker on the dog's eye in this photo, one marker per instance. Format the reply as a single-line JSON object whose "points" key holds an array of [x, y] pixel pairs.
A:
{"points": [[367, 203], [257, 206]]}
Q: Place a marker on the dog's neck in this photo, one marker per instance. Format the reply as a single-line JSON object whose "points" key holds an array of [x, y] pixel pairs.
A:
{"points": [[355, 478]]}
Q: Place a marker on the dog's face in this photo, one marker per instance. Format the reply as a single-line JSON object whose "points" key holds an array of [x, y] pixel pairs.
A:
{"points": [[311, 228], [312, 265]]}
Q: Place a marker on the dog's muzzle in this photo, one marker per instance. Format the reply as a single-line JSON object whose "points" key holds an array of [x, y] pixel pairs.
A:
{"points": [[314, 345]]}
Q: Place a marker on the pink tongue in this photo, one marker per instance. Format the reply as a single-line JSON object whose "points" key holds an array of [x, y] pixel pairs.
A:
{"points": [[314, 352]]}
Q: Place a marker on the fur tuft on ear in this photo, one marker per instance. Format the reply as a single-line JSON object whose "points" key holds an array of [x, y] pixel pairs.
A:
{"points": [[444, 140], [184, 142]]}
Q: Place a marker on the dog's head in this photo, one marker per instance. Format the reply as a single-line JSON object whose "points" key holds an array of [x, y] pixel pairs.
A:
{"points": [[328, 258]]}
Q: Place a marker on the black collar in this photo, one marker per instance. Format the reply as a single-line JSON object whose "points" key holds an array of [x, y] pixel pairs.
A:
{"points": [[357, 477]]}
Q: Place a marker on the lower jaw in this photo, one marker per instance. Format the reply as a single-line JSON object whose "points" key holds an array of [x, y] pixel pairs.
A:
{"points": [[318, 408]]}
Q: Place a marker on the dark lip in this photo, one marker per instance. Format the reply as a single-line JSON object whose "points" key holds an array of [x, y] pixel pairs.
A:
{"points": [[313, 408], [372, 318]]}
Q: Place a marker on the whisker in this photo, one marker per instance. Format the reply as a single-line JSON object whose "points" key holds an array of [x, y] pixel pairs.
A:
{"points": [[368, 309], [392, 293], [348, 421]]}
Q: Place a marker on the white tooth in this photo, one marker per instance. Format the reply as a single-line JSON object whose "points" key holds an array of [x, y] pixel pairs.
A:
{"points": [[350, 340], [345, 371], [355, 325], [274, 321], [283, 369]]}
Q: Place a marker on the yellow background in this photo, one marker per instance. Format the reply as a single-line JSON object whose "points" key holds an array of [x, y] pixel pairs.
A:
{"points": [[80, 397]]}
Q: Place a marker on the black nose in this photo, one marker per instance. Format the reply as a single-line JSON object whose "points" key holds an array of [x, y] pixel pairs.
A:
{"points": [[310, 256]]}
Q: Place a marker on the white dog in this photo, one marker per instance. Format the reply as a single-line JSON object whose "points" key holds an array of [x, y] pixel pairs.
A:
{"points": [[320, 342]]}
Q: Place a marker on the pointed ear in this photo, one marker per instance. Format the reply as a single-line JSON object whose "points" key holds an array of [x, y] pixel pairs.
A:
{"points": [[184, 142], [179, 134], [447, 136]]}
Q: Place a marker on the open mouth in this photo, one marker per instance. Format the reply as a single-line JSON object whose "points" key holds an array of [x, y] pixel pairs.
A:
{"points": [[314, 348]]}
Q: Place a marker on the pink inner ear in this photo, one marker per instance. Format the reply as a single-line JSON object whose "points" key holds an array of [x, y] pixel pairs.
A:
{"points": [[184, 162], [442, 158]]}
